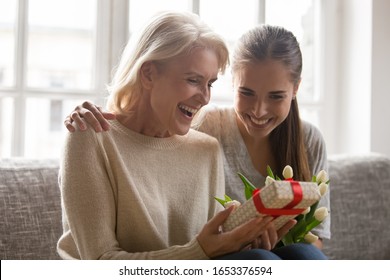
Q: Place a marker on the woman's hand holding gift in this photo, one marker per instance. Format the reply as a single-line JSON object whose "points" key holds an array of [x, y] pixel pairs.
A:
{"points": [[271, 237], [215, 242], [296, 230]]}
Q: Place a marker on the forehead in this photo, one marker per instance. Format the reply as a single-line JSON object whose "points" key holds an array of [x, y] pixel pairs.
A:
{"points": [[272, 72], [203, 61]]}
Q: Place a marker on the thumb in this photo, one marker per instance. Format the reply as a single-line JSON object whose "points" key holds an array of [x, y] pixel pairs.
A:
{"points": [[220, 218]]}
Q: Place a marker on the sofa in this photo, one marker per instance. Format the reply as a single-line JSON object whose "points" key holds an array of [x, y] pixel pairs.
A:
{"points": [[30, 207]]}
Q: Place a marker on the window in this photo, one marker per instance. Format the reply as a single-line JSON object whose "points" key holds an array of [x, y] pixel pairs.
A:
{"points": [[57, 53], [49, 62]]}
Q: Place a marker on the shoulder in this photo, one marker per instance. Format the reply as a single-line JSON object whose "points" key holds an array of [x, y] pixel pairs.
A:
{"points": [[312, 134], [315, 147], [81, 137], [88, 141], [217, 112], [213, 118], [201, 138], [202, 144]]}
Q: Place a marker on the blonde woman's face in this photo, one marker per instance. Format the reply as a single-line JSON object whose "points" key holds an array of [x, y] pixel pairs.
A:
{"points": [[263, 95], [180, 88]]}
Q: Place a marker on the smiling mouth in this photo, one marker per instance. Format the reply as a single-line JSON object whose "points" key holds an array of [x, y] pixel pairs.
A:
{"points": [[259, 122], [188, 111]]}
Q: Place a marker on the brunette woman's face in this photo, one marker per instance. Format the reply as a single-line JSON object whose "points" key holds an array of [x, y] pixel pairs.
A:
{"points": [[263, 95], [180, 88]]}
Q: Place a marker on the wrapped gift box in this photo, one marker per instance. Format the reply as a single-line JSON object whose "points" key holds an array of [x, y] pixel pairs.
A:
{"points": [[283, 200]]}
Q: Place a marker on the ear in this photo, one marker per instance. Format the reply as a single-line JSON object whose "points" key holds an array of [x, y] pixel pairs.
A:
{"points": [[146, 74], [296, 87]]}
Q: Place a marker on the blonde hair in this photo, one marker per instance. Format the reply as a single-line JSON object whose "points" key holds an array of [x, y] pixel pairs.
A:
{"points": [[166, 36]]}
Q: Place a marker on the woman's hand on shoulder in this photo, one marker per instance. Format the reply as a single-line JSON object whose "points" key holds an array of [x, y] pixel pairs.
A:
{"points": [[91, 114], [216, 243]]}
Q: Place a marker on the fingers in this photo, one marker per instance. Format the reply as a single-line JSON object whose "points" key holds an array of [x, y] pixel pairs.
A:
{"points": [[284, 229], [68, 124], [214, 224], [215, 243], [269, 238], [101, 116], [92, 114], [265, 242], [249, 231]]}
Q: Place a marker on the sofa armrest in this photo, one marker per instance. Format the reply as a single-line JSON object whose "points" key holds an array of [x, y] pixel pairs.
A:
{"points": [[360, 207], [30, 206]]}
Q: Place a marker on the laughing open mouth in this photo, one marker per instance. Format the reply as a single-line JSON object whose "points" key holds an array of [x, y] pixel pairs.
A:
{"points": [[190, 112]]}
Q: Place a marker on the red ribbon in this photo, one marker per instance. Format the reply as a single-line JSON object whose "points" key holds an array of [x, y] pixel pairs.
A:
{"points": [[286, 210]]}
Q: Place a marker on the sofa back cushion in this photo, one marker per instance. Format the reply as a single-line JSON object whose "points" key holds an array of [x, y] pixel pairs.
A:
{"points": [[30, 207]]}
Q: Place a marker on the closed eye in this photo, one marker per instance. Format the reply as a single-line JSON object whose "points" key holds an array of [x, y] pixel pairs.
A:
{"points": [[210, 84], [245, 91], [193, 81], [277, 95]]}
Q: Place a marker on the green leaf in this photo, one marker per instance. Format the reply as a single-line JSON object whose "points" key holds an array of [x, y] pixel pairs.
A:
{"points": [[227, 198], [277, 178], [249, 187], [299, 217], [314, 179], [313, 208], [221, 201], [298, 230], [287, 239], [269, 172]]}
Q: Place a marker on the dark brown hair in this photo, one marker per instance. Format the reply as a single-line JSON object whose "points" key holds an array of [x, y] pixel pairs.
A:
{"points": [[277, 43]]}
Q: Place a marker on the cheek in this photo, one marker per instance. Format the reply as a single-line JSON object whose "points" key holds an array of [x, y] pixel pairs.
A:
{"points": [[284, 109], [239, 103]]}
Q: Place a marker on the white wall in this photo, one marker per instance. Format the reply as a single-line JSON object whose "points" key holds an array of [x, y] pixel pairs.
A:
{"points": [[380, 102], [352, 64]]}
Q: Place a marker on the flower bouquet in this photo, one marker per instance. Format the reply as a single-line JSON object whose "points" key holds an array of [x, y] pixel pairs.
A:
{"points": [[284, 199]]}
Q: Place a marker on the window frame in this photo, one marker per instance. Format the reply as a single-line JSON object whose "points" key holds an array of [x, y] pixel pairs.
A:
{"points": [[112, 33]]}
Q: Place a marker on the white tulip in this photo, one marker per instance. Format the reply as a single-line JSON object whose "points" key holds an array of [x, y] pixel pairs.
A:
{"points": [[306, 211], [322, 177], [321, 213], [288, 172], [310, 238], [323, 188], [269, 180], [232, 202]]}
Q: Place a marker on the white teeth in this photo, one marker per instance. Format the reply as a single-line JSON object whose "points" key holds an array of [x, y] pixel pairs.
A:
{"points": [[259, 122], [188, 109]]}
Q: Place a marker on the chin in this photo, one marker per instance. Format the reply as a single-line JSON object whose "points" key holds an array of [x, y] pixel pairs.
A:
{"points": [[182, 130]]}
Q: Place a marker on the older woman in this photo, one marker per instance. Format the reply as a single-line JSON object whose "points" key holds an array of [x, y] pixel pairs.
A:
{"points": [[144, 189]]}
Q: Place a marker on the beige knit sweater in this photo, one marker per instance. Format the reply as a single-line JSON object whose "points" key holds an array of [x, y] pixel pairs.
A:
{"points": [[129, 196]]}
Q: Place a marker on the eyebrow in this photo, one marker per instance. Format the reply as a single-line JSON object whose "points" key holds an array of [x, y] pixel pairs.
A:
{"points": [[200, 76], [246, 89], [271, 92], [277, 92]]}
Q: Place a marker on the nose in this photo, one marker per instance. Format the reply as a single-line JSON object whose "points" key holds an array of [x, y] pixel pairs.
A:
{"points": [[204, 95], [259, 108]]}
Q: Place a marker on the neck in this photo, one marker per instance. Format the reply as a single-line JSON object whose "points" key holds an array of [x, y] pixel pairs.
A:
{"points": [[259, 150], [142, 119]]}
